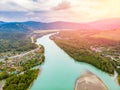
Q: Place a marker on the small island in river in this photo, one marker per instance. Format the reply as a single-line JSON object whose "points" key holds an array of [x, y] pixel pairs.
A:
{"points": [[89, 81]]}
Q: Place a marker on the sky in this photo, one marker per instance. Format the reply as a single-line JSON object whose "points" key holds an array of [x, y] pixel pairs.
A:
{"points": [[58, 10]]}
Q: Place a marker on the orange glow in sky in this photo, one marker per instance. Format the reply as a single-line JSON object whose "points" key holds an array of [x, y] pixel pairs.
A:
{"points": [[62, 10], [89, 10]]}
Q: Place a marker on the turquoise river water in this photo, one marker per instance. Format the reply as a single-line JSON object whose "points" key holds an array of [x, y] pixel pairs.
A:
{"points": [[60, 71]]}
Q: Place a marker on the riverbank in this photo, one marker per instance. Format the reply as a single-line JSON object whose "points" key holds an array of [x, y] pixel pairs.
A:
{"points": [[23, 64], [93, 51], [34, 80], [21, 81], [89, 81], [59, 68], [117, 80]]}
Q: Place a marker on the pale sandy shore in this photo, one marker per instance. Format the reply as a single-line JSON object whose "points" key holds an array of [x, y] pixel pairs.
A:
{"points": [[2, 84], [116, 80], [89, 81]]}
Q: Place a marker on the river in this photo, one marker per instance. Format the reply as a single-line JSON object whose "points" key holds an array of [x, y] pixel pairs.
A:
{"points": [[60, 72]]}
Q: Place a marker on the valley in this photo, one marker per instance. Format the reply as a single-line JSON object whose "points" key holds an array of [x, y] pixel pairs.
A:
{"points": [[60, 45], [20, 51]]}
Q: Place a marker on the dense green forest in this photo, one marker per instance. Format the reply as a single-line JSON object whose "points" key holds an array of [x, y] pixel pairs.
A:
{"points": [[22, 81], [4, 75]]}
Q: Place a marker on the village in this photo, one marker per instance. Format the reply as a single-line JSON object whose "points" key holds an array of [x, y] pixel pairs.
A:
{"points": [[19, 63], [107, 52]]}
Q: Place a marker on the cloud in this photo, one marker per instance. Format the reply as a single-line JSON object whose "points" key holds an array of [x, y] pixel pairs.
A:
{"points": [[59, 10], [23, 16], [3, 19], [62, 6], [27, 5], [30, 13]]}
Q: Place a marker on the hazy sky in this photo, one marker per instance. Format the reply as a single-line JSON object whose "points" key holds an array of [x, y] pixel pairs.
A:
{"points": [[58, 10]]}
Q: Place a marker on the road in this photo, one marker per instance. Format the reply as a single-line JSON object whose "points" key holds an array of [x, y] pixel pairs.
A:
{"points": [[20, 55]]}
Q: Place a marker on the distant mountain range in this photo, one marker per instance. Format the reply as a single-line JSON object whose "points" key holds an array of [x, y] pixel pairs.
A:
{"points": [[108, 24]]}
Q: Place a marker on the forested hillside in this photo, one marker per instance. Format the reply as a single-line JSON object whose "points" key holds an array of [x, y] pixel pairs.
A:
{"points": [[15, 42]]}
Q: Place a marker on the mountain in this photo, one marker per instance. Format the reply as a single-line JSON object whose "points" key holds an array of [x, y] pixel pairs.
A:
{"points": [[13, 27], [108, 24], [52, 25], [36, 25]]}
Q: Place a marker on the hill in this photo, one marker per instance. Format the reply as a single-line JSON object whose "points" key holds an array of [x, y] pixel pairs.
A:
{"points": [[13, 27], [107, 24]]}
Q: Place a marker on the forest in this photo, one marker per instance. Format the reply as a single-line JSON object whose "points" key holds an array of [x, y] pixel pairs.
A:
{"points": [[22, 81], [78, 45], [15, 42], [84, 55]]}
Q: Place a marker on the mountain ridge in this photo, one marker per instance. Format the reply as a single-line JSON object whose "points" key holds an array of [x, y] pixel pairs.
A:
{"points": [[107, 24]]}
